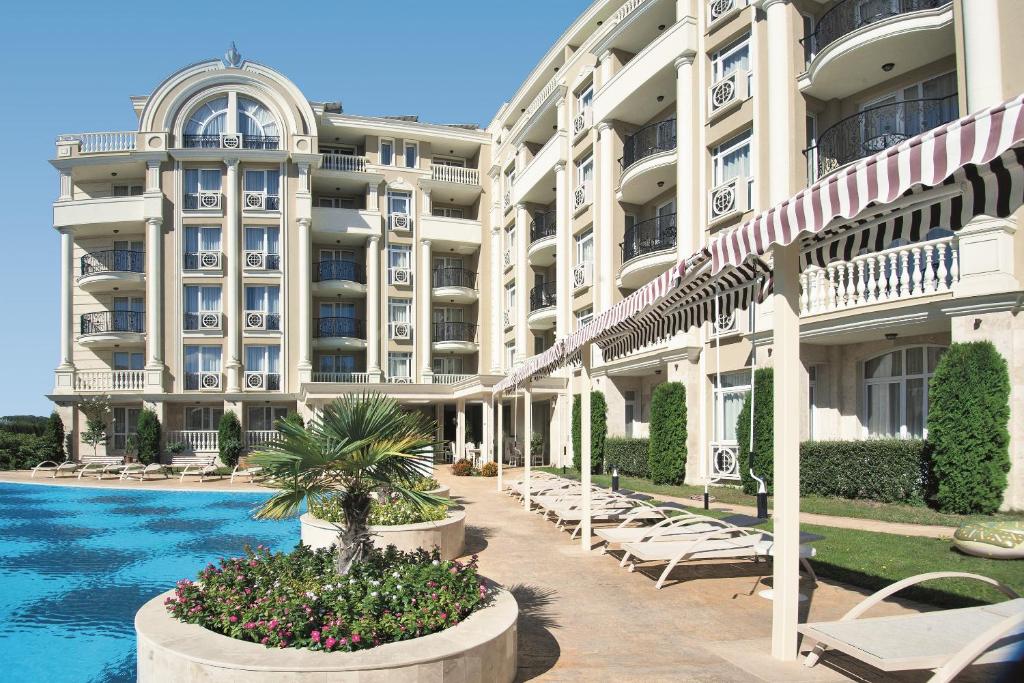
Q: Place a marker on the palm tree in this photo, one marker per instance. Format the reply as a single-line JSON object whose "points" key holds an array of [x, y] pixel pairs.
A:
{"points": [[360, 445]]}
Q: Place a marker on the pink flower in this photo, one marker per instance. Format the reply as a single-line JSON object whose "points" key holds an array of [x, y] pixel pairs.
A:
{"points": [[444, 615], [273, 623], [343, 641], [331, 642], [315, 635], [356, 638], [265, 640], [233, 619]]}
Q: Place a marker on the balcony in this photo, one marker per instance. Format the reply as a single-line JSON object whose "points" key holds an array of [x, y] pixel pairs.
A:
{"points": [[105, 142], [455, 174], [261, 321], [203, 321], [357, 224], [110, 328], [109, 380], [207, 201], [342, 377], [648, 162], [876, 129], [203, 381], [259, 200], [543, 229], [855, 37], [105, 213], [102, 271], [261, 381], [648, 248], [454, 285], [261, 261], [195, 440], [339, 333], [231, 141], [535, 182], [343, 278], [464, 234], [543, 299], [260, 437], [454, 337], [205, 262], [349, 163], [450, 378]]}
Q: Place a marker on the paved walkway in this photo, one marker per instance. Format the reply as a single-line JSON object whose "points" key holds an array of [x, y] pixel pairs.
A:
{"points": [[584, 619]]}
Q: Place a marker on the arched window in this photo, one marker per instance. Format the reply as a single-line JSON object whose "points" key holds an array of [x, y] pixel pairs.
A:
{"points": [[255, 120], [209, 119], [896, 391]]}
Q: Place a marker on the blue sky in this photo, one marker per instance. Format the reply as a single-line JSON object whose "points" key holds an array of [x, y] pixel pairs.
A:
{"points": [[70, 66]]}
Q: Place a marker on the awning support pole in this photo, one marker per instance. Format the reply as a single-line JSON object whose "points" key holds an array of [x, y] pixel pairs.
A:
{"points": [[585, 440], [527, 438], [500, 406]]}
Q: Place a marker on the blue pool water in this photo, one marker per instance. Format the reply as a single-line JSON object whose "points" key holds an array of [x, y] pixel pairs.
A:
{"points": [[77, 563]]}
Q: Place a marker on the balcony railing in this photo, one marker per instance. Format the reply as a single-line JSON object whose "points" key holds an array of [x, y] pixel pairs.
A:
{"points": [[201, 320], [342, 377], [849, 15], [543, 226], [581, 196], [261, 381], [449, 378], [648, 141], [261, 260], [542, 296], [340, 327], [344, 162], [455, 174], [232, 141], [261, 321], [895, 274], [102, 322], [106, 141], [109, 380], [195, 440], [454, 277], [112, 261], [877, 128], [454, 331], [259, 437], [201, 260], [334, 270], [259, 200], [647, 237]]}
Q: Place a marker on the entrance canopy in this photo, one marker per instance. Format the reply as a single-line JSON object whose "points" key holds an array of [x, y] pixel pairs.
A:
{"points": [[944, 177]]}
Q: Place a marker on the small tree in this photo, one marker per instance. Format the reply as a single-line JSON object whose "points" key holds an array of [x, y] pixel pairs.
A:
{"points": [[229, 438], [764, 432], [968, 438], [53, 435], [667, 445], [577, 433], [147, 431], [598, 430], [96, 409]]}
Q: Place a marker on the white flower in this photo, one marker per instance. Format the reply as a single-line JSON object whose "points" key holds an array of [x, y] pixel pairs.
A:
{"points": [[375, 583], [373, 594], [399, 587], [395, 574], [435, 563], [351, 580], [311, 595]]}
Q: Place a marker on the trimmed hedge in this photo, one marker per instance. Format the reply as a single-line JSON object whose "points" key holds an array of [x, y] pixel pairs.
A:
{"points": [[629, 455], [53, 434], [229, 439], [969, 397], [598, 431], [667, 449], [764, 432], [884, 470], [19, 451], [147, 431]]}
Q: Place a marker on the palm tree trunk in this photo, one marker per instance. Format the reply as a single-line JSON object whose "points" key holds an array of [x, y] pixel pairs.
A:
{"points": [[354, 539]]}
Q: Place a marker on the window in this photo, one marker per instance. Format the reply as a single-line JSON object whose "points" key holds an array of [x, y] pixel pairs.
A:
{"points": [[585, 247], [337, 363], [448, 314], [730, 394], [124, 424], [198, 360], [447, 212], [510, 354], [203, 419], [201, 181], [510, 239], [400, 365], [584, 316], [346, 255], [730, 59], [264, 359], [447, 365], [399, 202], [731, 160], [209, 119], [255, 120], [264, 418], [585, 99], [126, 190], [896, 391], [585, 171], [262, 248], [336, 202], [387, 152], [350, 150], [265, 299], [125, 360], [914, 116], [811, 145], [128, 313], [262, 190], [200, 299], [337, 309], [128, 245], [448, 161], [399, 256], [510, 303], [411, 154], [399, 310], [632, 411], [199, 241]]}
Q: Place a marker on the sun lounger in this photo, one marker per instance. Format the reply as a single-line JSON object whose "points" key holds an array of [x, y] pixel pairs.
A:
{"points": [[101, 469], [680, 527], [142, 472], [198, 470], [945, 641], [55, 468], [251, 472]]}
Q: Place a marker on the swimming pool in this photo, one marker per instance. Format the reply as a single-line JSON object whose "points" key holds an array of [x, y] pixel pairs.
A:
{"points": [[76, 564]]}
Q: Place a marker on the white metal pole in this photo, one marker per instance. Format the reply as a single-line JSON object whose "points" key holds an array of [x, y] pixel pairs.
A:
{"points": [[500, 406], [585, 458], [527, 438]]}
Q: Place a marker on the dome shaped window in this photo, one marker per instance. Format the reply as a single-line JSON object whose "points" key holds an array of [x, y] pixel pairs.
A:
{"points": [[232, 122], [256, 123], [207, 123]]}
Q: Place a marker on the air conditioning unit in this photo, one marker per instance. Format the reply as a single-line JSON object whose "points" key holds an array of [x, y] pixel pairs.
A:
{"points": [[255, 320], [209, 260], [209, 321], [728, 93], [209, 381], [401, 277], [255, 380], [401, 331], [231, 140], [399, 221], [583, 275], [728, 199], [208, 200], [254, 201], [256, 260]]}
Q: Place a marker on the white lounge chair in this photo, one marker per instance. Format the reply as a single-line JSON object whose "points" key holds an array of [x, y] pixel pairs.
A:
{"points": [[142, 472], [198, 470], [251, 472], [100, 469], [945, 641], [675, 528], [55, 468]]}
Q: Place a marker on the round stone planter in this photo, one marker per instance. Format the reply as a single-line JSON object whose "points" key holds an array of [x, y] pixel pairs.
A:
{"points": [[441, 492], [449, 534], [481, 648]]}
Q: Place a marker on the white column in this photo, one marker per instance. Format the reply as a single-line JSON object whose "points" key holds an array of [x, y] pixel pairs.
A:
{"points": [[686, 233], [563, 254], [983, 54], [373, 306], [780, 99], [523, 283], [67, 272], [154, 305], [786, 471], [487, 440], [585, 439], [423, 333], [604, 202], [233, 241], [527, 439], [460, 428], [500, 440], [305, 366], [497, 298]]}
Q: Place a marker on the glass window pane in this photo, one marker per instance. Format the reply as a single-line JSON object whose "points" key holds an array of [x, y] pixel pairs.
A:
{"points": [[915, 407], [915, 361], [883, 409], [934, 354], [889, 365]]}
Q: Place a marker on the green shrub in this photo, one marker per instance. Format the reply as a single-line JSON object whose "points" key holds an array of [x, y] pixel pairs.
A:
{"points": [[536, 444], [394, 512], [229, 438], [148, 433], [489, 469], [54, 436], [885, 470], [598, 430], [577, 432], [462, 468], [968, 414], [667, 448], [425, 484], [293, 418], [629, 455], [19, 451], [764, 430]]}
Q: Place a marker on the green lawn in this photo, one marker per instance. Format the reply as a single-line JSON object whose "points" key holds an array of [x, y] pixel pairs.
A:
{"points": [[838, 507]]}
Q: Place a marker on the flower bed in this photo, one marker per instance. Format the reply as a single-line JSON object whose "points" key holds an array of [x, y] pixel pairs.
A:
{"points": [[389, 512], [447, 534]]}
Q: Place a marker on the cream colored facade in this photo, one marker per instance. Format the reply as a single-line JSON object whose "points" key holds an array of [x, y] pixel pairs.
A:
{"points": [[648, 127]]}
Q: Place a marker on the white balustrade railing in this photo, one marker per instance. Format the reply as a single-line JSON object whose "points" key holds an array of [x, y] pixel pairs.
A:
{"points": [[344, 162], [258, 437], [509, 258], [894, 274], [507, 199], [455, 174], [107, 141], [342, 377], [581, 123], [724, 460], [197, 441], [109, 380], [581, 196], [625, 10], [450, 378]]}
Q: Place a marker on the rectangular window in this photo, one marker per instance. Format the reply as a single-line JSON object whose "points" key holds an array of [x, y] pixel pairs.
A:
{"points": [[631, 413], [510, 301], [585, 247], [200, 299], [350, 150], [584, 316], [585, 100], [337, 363], [400, 365], [585, 171], [510, 354], [399, 202], [200, 181], [262, 190], [399, 256], [387, 152], [728, 398], [263, 359], [200, 241], [447, 365], [731, 160], [448, 314], [411, 154], [510, 239], [399, 310], [199, 360], [125, 360], [264, 418], [124, 424], [336, 202], [202, 419], [263, 247], [448, 161], [734, 57], [337, 309], [264, 299], [127, 190], [447, 212]]}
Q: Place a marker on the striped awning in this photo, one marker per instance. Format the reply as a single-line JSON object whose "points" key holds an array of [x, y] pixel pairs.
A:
{"points": [[943, 177]]}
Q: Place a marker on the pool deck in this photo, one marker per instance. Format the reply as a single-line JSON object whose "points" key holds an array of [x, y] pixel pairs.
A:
{"points": [[218, 484]]}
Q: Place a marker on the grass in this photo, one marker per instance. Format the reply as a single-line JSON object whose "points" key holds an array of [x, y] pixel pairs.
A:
{"points": [[836, 507]]}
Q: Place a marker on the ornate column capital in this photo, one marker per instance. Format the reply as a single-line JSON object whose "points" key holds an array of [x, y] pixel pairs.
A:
{"points": [[765, 4], [685, 59], [559, 167]]}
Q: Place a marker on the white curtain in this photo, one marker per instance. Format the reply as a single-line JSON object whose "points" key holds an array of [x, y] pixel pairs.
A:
{"points": [[272, 240], [273, 299], [254, 239], [255, 358], [211, 359], [210, 179], [209, 239], [210, 299], [274, 359], [192, 359], [255, 298], [192, 240]]}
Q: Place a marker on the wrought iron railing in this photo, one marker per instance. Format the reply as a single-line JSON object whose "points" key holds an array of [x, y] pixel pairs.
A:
{"points": [[649, 140], [454, 277], [877, 128], [217, 141], [340, 327], [454, 331], [542, 296], [543, 226], [113, 261], [849, 15], [332, 270], [261, 142], [102, 322], [646, 237]]}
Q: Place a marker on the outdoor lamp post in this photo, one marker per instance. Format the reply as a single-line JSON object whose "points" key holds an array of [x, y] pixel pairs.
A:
{"points": [[615, 478]]}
